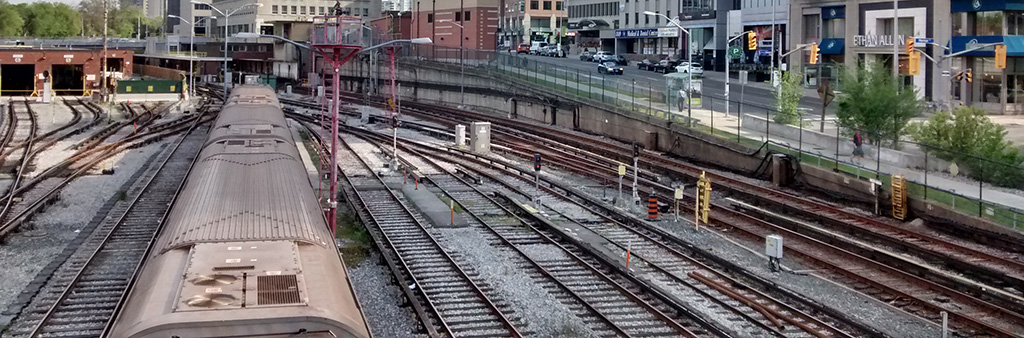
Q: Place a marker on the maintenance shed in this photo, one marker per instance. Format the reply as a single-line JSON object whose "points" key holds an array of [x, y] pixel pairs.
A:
{"points": [[70, 71]]}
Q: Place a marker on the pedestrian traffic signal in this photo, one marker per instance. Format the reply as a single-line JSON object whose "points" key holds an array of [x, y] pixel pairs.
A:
{"points": [[910, 46], [814, 54], [1001, 56], [536, 161], [914, 63], [751, 41]]}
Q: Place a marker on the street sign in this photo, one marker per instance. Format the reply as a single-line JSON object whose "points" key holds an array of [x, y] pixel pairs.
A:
{"points": [[743, 77], [924, 40], [945, 73], [735, 52], [825, 93]]}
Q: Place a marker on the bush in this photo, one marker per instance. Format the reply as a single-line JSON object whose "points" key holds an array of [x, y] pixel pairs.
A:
{"points": [[790, 91], [970, 139]]}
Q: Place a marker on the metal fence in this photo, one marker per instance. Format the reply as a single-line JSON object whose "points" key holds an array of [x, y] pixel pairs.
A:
{"points": [[828, 147]]}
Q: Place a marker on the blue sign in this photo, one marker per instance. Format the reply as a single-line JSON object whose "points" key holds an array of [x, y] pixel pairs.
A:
{"points": [[636, 33], [1014, 44], [958, 6], [924, 40], [833, 12], [831, 46]]}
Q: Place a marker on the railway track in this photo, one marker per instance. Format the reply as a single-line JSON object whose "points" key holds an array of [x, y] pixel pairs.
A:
{"points": [[610, 302], [443, 293], [989, 315], [84, 293]]}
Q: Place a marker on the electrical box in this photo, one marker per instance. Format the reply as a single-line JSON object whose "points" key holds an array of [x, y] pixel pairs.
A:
{"points": [[480, 137], [460, 135], [773, 246]]}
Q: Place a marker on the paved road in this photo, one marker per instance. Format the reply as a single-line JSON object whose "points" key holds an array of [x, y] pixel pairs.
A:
{"points": [[756, 94]]}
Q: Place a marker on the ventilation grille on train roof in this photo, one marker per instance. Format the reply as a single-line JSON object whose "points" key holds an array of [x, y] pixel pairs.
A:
{"points": [[273, 290]]}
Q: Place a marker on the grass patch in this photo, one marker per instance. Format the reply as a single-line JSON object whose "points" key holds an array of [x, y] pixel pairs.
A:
{"points": [[448, 201], [355, 238]]}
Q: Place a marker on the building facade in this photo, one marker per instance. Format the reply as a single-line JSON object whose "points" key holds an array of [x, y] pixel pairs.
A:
{"points": [[641, 36], [850, 32], [524, 21], [592, 23], [434, 19], [973, 23]]}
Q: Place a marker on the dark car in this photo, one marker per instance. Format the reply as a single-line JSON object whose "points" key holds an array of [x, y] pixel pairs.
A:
{"points": [[586, 56], [665, 66], [609, 68], [645, 64]]}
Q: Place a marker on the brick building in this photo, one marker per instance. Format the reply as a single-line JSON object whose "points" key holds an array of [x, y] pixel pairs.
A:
{"points": [[70, 71], [479, 17]]}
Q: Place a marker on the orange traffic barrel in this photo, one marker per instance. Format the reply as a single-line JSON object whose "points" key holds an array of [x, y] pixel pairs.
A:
{"points": [[652, 206]]}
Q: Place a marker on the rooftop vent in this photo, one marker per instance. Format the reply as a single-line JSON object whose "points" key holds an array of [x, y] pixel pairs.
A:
{"points": [[283, 289], [215, 279], [211, 300]]}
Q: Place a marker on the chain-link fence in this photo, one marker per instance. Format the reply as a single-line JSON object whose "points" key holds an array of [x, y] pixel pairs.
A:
{"points": [[813, 141]]}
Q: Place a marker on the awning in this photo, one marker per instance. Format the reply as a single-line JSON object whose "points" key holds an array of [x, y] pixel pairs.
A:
{"points": [[1014, 44], [832, 46]]}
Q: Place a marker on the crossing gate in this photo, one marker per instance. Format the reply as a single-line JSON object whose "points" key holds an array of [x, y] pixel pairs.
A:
{"points": [[899, 197]]}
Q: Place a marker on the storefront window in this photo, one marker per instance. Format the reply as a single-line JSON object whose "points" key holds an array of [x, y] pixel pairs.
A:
{"points": [[988, 23], [1014, 23], [1015, 80], [836, 28], [811, 22], [958, 23], [990, 77]]}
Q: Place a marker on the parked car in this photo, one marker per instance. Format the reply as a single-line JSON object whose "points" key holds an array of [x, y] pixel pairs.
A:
{"points": [[601, 56], [693, 68], [550, 50], [645, 64], [523, 48], [586, 56], [609, 67], [619, 60], [536, 46], [665, 66]]}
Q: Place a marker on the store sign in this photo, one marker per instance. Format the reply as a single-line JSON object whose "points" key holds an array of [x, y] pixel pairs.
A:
{"points": [[877, 40], [647, 33], [668, 32]]}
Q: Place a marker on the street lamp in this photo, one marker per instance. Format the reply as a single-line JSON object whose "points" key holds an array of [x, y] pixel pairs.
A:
{"points": [[727, 72], [191, 48], [462, 62], [689, 65], [226, 16]]}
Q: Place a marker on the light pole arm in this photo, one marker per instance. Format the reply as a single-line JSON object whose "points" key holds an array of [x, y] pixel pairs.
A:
{"points": [[798, 47], [738, 36]]}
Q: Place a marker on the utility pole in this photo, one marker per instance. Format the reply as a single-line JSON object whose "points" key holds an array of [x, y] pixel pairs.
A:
{"points": [[103, 72], [895, 37]]}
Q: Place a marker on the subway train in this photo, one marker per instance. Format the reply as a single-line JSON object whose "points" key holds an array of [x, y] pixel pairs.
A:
{"points": [[245, 250]]}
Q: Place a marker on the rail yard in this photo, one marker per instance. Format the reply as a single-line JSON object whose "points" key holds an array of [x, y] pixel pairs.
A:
{"points": [[150, 219]]}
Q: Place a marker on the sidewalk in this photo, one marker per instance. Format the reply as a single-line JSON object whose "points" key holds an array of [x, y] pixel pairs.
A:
{"points": [[727, 125]]}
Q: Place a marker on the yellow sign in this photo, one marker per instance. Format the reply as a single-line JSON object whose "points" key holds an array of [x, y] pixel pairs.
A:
{"points": [[679, 193], [150, 89], [128, 89], [622, 170]]}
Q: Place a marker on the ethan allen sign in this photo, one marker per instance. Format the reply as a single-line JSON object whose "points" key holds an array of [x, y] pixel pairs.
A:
{"points": [[877, 40]]}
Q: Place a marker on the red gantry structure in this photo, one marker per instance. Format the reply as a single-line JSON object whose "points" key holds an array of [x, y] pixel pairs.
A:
{"points": [[337, 38]]}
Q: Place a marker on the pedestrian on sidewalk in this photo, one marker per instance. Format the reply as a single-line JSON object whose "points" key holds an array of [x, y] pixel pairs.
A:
{"points": [[858, 141], [682, 99]]}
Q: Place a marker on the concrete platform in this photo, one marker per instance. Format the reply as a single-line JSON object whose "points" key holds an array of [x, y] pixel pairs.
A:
{"points": [[429, 203]]}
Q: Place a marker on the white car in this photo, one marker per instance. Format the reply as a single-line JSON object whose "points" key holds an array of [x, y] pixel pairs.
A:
{"points": [[602, 56], [693, 68]]}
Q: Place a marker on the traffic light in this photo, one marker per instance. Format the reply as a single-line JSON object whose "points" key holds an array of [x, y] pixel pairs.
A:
{"points": [[914, 63], [751, 41], [814, 54], [970, 77], [959, 76], [910, 46], [1001, 56], [536, 162], [636, 150]]}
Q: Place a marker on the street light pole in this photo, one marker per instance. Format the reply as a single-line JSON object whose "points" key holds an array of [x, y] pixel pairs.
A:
{"points": [[191, 49], [226, 18], [727, 73], [462, 58], [689, 66]]}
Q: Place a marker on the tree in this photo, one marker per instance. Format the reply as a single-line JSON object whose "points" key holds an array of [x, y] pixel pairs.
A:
{"points": [[11, 23], [44, 19], [969, 138], [790, 91], [874, 101]]}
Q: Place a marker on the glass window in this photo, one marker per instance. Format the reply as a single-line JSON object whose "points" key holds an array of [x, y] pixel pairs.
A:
{"points": [[458, 16], [321, 10], [836, 28], [1014, 23], [273, 9], [988, 23], [811, 23], [958, 24], [366, 12], [466, 15], [559, 5], [985, 71], [627, 19], [547, 5], [295, 10], [302, 10], [430, 18], [534, 4]]}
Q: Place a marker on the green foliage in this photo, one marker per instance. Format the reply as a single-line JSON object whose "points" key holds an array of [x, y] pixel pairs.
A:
{"points": [[122, 20], [790, 91], [49, 20], [11, 23], [872, 100], [970, 139]]}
